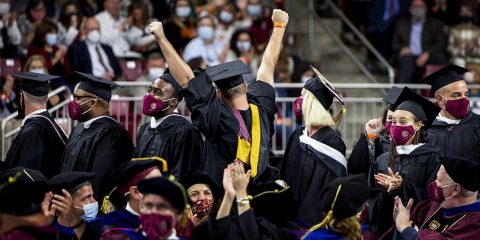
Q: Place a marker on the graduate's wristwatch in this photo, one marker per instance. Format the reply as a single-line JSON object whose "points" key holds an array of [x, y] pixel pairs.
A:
{"points": [[243, 201]]}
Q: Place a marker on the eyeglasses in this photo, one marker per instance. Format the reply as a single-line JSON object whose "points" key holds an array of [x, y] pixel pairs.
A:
{"points": [[156, 91], [77, 97]]}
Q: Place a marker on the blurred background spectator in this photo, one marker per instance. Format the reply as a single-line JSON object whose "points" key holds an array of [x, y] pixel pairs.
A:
{"points": [[69, 22], [27, 23], [138, 36], [180, 26], [243, 46], [10, 36]]}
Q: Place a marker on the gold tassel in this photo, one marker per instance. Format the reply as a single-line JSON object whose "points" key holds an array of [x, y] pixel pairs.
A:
{"points": [[107, 206], [338, 119], [327, 218]]}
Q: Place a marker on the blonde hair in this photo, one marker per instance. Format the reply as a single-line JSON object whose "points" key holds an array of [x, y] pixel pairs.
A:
{"points": [[350, 228], [33, 58], [314, 113]]}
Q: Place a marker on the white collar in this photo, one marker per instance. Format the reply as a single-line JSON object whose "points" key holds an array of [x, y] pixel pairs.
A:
{"points": [[31, 115], [154, 123], [407, 149], [92, 44], [130, 210], [87, 124], [447, 120]]}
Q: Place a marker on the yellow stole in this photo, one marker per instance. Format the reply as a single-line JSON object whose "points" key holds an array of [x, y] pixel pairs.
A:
{"points": [[249, 152]]}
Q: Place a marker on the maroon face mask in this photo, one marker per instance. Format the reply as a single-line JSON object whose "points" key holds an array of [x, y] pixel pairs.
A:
{"points": [[435, 192], [458, 107], [387, 126], [156, 226], [75, 110], [401, 134], [202, 207], [297, 107], [153, 106]]}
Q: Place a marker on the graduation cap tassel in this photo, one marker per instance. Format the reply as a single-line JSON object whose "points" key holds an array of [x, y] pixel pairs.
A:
{"points": [[107, 206], [337, 119], [327, 218]]}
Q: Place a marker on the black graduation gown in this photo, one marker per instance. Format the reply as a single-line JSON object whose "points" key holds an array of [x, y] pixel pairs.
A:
{"points": [[176, 140], [461, 140], [216, 121], [418, 169], [360, 160], [100, 149], [307, 171], [39, 145], [247, 227]]}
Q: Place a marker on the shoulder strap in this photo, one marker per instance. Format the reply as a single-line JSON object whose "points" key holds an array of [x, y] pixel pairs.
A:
{"points": [[60, 133]]}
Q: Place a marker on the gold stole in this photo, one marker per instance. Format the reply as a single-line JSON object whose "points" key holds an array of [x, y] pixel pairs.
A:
{"points": [[249, 152]]}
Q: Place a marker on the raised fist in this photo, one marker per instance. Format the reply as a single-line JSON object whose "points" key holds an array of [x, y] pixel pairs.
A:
{"points": [[279, 16], [156, 28]]}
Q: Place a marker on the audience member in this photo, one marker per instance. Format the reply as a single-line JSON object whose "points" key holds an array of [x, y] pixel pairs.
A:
{"points": [[226, 24], [91, 56], [138, 37], [243, 46], [69, 22], [113, 29], [10, 36], [417, 41], [205, 45], [35, 15], [261, 24], [180, 26]]}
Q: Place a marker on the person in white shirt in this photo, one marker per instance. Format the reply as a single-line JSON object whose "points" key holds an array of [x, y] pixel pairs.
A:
{"points": [[205, 45], [140, 39], [69, 22], [91, 56], [113, 29], [8, 23]]}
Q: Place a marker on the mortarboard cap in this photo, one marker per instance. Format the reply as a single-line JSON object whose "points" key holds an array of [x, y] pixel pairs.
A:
{"points": [[392, 95], [70, 181], [168, 77], [128, 174], [228, 75], [270, 200], [97, 86], [463, 171], [445, 76], [197, 177], [422, 108], [167, 188], [345, 196], [35, 84], [22, 191]]}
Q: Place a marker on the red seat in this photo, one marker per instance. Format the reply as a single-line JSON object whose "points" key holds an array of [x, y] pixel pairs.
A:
{"points": [[122, 111], [9, 66], [132, 69]]}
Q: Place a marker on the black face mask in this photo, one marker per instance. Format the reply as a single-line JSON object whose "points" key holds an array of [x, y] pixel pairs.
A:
{"points": [[466, 19]]}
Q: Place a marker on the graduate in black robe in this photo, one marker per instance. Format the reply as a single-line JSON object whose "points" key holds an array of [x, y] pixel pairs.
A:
{"points": [[375, 140], [456, 130], [236, 120], [169, 135], [315, 154], [98, 143], [410, 165], [41, 141]]}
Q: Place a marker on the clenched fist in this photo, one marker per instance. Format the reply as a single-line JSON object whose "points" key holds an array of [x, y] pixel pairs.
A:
{"points": [[279, 16], [156, 28]]}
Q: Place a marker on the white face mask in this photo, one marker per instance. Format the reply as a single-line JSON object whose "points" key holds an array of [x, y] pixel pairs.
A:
{"points": [[226, 16], [93, 36], [254, 10], [51, 39], [205, 33], [4, 8], [244, 46], [38, 70], [183, 12], [155, 72]]}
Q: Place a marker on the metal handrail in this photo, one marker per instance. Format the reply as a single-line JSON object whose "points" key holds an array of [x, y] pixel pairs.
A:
{"points": [[15, 114], [336, 85], [365, 41]]}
